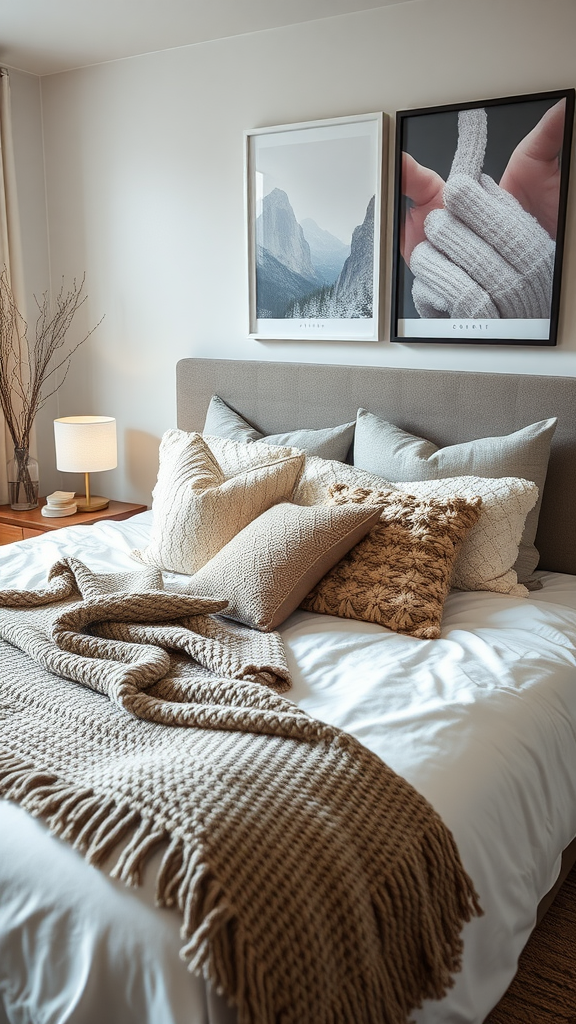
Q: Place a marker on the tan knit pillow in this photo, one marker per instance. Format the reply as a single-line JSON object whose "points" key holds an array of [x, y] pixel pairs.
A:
{"points": [[399, 575], [198, 508], [266, 570]]}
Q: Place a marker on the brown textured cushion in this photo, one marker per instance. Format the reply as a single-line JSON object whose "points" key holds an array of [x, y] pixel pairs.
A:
{"points": [[199, 505], [399, 575], [266, 569]]}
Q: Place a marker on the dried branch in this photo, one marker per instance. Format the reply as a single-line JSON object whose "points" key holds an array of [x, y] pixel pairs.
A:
{"points": [[27, 366]]}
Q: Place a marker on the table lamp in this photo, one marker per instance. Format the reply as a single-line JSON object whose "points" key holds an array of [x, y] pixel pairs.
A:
{"points": [[86, 444]]}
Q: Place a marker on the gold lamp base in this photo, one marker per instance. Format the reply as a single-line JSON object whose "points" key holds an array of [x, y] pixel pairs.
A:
{"points": [[91, 504]]}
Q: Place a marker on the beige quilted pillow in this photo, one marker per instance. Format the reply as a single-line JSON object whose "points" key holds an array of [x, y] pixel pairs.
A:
{"points": [[399, 575], [490, 549], [198, 507], [268, 568]]}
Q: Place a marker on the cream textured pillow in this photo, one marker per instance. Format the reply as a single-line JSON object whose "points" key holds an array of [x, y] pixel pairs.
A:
{"points": [[400, 574], [394, 454], [238, 456], [319, 474], [489, 552], [491, 548], [198, 507], [269, 567]]}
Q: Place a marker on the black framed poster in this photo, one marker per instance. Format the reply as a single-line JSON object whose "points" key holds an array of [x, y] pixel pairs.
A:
{"points": [[479, 217]]}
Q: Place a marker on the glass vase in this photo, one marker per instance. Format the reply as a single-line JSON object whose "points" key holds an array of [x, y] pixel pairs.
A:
{"points": [[23, 480]]}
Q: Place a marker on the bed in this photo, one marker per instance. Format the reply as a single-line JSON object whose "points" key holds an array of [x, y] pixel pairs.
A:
{"points": [[481, 721]]}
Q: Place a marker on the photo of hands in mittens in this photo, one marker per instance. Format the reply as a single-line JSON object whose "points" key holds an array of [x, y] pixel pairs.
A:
{"points": [[482, 246]]}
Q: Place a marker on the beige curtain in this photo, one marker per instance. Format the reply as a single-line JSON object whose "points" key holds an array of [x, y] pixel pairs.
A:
{"points": [[10, 242]]}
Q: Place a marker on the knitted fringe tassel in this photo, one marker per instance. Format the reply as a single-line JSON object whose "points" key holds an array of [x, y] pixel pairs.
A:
{"points": [[130, 864], [215, 944], [94, 825], [409, 921], [419, 937], [170, 873]]}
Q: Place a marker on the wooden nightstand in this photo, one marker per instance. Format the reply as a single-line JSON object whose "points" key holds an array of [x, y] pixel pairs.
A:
{"points": [[21, 525]]}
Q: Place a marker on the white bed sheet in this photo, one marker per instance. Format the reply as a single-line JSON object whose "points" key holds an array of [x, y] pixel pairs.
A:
{"points": [[482, 722]]}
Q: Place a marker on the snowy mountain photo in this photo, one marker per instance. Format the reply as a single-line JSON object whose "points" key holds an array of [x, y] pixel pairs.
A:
{"points": [[328, 252], [304, 271], [314, 229]]}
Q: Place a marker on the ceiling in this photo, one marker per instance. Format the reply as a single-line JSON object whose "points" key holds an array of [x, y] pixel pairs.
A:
{"points": [[48, 36]]}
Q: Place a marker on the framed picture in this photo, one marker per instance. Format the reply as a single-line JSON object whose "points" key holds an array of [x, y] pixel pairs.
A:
{"points": [[314, 211], [479, 214]]}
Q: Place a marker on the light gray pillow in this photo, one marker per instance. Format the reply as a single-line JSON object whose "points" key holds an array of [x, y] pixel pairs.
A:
{"points": [[327, 442], [392, 453]]}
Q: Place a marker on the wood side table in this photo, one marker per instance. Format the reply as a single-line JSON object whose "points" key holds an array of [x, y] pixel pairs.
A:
{"points": [[21, 525]]}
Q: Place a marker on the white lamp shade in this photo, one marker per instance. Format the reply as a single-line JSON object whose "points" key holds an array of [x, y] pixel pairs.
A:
{"points": [[85, 444]]}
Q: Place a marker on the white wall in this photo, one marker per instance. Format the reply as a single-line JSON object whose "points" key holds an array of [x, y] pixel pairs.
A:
{"points": [[29, 159], [144, 171]]}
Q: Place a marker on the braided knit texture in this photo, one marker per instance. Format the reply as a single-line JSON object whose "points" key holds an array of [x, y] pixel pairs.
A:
{"points": [[484, 255], [399, 575], [315, 886], [489, 551]]}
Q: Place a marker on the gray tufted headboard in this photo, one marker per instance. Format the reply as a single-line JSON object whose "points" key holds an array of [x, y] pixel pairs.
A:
{"points": [[445, 407]]}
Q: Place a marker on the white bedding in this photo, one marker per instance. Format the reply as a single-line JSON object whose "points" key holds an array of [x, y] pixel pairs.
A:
{"points": [[482, 722]]}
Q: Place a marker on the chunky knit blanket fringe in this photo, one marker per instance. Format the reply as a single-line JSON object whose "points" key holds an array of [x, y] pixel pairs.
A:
{"points": [[315, 885]]}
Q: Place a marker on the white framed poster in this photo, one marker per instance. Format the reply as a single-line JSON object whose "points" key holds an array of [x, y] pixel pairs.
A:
{"points": [[314, 213]]}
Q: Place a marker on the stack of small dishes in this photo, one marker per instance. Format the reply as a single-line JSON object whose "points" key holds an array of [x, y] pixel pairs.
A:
{"points": [[59, 503]]}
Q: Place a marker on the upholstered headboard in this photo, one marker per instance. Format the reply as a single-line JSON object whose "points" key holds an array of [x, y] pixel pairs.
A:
{"points": [[445, 407]]}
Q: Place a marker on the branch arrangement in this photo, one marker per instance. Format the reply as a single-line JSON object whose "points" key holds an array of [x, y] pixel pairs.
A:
{"points": [[28, 368]]}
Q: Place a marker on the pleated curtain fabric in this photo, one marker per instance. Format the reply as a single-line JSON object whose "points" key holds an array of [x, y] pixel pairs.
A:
{"points": [[10, 243]]}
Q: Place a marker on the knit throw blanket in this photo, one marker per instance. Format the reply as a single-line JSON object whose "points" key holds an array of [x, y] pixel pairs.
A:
{"points": [[315, 885]]}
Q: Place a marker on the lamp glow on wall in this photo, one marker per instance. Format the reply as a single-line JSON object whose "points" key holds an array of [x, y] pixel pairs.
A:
{"points": [[86, 444]]}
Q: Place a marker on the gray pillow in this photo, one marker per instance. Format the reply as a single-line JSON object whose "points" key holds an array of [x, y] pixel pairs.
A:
{"points": [[328, 442], [392, 453]]}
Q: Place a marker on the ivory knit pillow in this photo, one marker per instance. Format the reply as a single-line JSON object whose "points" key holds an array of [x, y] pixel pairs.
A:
{"points": [[197, 507], [489, 551], [399, 575], [238, 456], [268, 568]]}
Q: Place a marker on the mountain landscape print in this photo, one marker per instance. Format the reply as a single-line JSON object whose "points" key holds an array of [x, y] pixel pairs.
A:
{"points": [[302, 270], [315, 228]]}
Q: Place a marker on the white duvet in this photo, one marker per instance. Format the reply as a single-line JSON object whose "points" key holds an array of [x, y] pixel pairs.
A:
{"points": [[482, 722]]}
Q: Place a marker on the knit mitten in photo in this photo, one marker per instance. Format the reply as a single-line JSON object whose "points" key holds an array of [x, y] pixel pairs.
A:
{"points": [[485, 256]]}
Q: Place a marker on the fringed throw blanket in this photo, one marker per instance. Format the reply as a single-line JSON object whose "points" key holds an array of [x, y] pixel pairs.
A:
{"points": [[315, 885]]}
